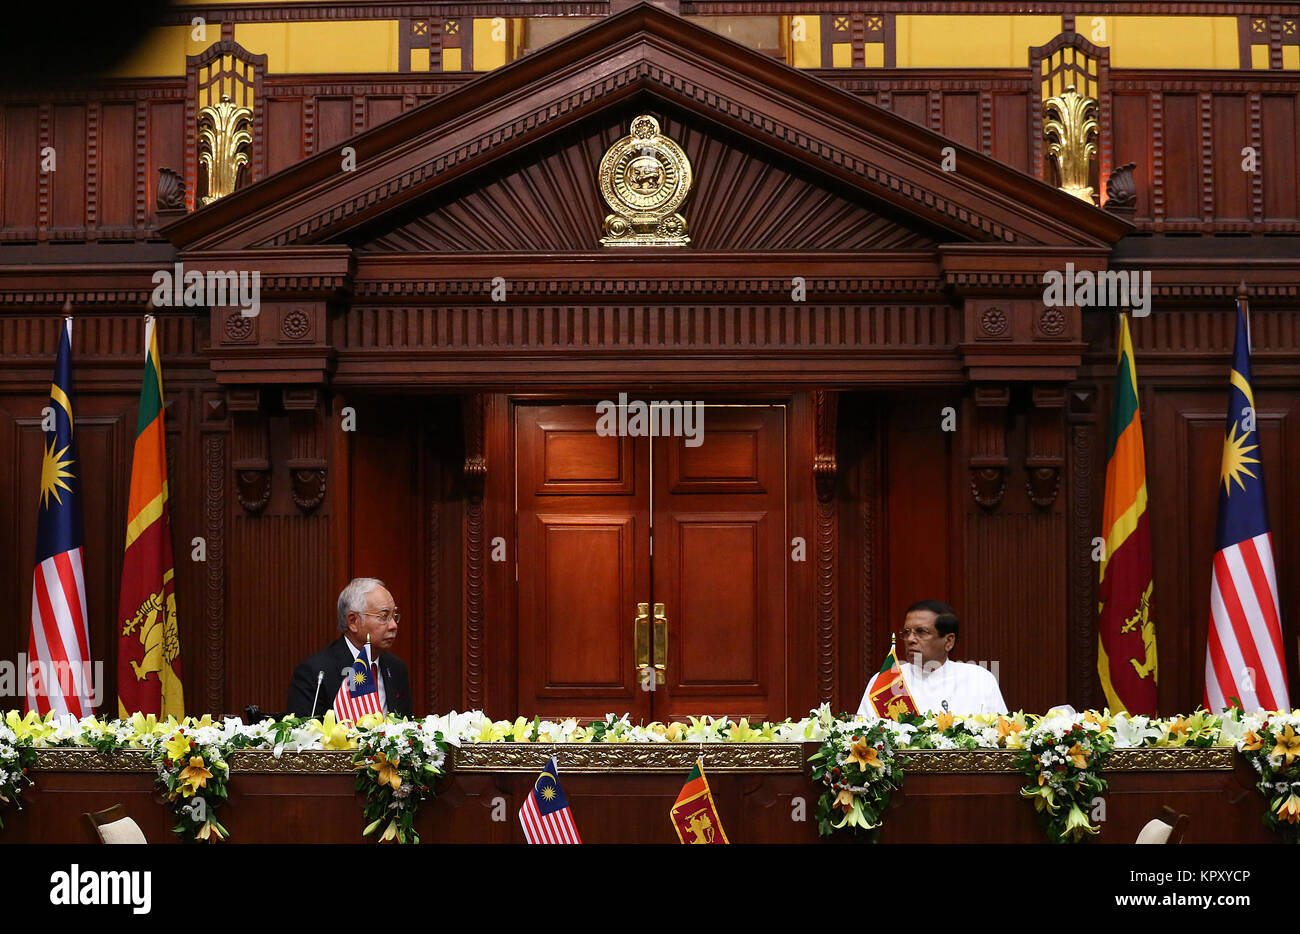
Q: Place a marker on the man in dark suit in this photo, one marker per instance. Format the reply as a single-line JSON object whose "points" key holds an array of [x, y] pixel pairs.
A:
{"points": [[365, 608]]}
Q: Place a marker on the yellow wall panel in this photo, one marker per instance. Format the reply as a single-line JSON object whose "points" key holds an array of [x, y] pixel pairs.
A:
{"points": [[875, 54], [162, 52], [971, 41], [1291, 57], [322, 47], [451, 59], [419, 59], [491, 43], [1167, 41], [842, 55], [1259, 56]]}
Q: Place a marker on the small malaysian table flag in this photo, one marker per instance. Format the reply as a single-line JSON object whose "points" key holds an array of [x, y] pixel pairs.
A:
{"points": [[359, 693], [545, 816]]}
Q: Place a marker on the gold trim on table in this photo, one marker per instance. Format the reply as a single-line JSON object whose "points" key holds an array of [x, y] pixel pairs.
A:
{"points": [[639, 758]]}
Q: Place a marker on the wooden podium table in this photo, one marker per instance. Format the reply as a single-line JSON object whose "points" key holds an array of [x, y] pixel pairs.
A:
{"points": [[621, 793]]}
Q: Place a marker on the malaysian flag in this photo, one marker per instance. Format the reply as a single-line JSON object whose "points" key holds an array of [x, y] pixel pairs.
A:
{"points": [[545, 815], [1243, 657], [359, 693], [59, 645]]}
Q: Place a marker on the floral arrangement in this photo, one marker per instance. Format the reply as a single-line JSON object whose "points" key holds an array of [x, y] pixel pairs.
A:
{"points": [[1059, 785], [1062, 756], [16, 757], [396, 765], [856, 764], [1271, 745]]}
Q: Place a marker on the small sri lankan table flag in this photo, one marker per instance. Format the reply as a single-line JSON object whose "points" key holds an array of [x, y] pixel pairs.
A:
{"points": [[1126, 633], [889, 695], [694, 815], [1243, 653], [148, 647], [58, 647]]}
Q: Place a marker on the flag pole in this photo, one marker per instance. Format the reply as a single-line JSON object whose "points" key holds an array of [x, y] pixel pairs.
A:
{"points": [[1243, 302]]}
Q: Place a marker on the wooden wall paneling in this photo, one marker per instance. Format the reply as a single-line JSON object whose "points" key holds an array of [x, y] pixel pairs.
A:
{"points": [[44, 180], [1156, 117], [1133, 141], [1229, 194], [333, 121], [1010, 141], [116, 181], [1182, 163], [961, 119], [381, 108], [166, 148], [806, 682], [498, 624], [141, 186], [22, 166], [913, 106], [1280, 135], [284, 133], [1015, 573], [68, 183], [387, 530]]}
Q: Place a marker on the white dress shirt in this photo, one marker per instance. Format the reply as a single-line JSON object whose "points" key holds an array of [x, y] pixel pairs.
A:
{"points": [[383, 696], [952, 687]]}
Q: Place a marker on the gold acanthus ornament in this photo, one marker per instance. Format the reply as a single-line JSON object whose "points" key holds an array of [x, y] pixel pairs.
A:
{"points": [[224, 138], [1072, 126], [644, 178]]}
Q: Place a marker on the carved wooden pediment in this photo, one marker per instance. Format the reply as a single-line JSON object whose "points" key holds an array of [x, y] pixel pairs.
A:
{"points": [[545, 198], [545, 120]]}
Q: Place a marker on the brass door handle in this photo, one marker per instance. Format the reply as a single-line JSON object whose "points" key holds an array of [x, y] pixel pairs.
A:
{"points": [[661, 642], [641, 635]]}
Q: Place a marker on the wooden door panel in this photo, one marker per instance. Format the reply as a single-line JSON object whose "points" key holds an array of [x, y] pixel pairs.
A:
{"points": [[718, 610], [584, 630], [719, 565], [583, 563]]}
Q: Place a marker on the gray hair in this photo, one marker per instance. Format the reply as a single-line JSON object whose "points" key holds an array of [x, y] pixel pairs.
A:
{"points": [[353, 598]]}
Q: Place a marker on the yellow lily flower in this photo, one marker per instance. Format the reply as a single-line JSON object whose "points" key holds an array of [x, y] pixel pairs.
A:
{"points": [[943, 721], [1103, 721], [865, 755], [370, 720], [1078, 756], [388, 774], [742, 732], [178, 747], [1251, 742], [1288, 744], [522, 727], [334, 734], [23, 727], [1076, 823], [1044, 797], [1289, 810], [675, 732], [844, 800], [1009, 727], [855, 817], [205, 720], [194, 776]]}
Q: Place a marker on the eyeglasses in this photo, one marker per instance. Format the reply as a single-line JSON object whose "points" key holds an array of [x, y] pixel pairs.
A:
{"points": [[384, 616], [919, 633]]}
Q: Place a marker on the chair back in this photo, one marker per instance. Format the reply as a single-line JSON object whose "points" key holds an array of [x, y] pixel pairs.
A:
{"points": [[1168, 827], [111, 825]]}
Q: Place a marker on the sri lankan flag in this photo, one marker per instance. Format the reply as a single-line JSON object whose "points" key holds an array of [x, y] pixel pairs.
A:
{"points": [[889, 695], [1126, 646], [148, 647], [694, 815]]}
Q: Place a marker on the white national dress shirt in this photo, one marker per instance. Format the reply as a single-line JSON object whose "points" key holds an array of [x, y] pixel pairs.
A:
{"points": [[967, 688], [383, 695]]}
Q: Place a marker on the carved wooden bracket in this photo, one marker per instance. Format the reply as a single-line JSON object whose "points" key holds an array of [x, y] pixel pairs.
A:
{"points": [[307, 467], [1045, 451], [250, 445], [988, 451], [826, 405], [474, 412]]}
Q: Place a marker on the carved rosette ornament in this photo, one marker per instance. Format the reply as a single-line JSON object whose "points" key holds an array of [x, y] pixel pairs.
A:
{"points": [[644, 178], [224, 139], [1071, 126]]}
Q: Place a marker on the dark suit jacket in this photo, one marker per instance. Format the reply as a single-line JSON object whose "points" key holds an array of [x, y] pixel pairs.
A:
{"points": [[332, 660]]}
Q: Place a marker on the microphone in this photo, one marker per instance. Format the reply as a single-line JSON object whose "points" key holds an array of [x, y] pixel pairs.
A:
{"points": [[945, 706], [320, 676]]}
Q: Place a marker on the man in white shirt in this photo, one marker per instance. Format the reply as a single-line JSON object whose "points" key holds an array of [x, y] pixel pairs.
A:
{"points": [[938, 684]]}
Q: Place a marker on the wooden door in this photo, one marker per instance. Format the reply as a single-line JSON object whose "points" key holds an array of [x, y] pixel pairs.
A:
{"points": [[584, 563], [585, 566], [719, 565]]}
